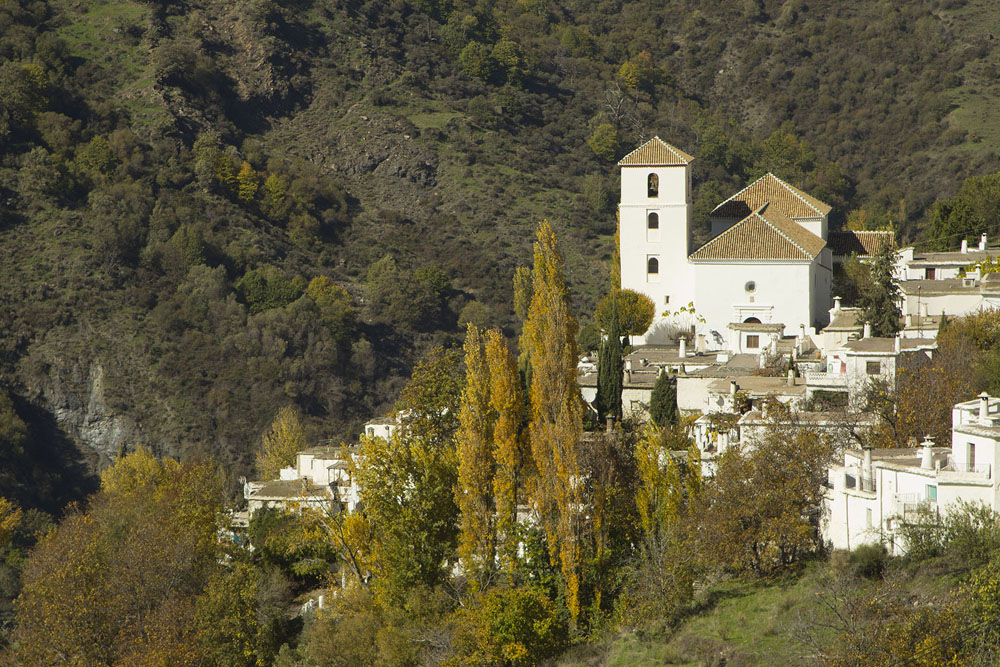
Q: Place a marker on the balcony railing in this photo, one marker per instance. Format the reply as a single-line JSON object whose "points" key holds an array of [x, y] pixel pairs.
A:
{"points": [[823, 379], [860, 483], [983, 469]]}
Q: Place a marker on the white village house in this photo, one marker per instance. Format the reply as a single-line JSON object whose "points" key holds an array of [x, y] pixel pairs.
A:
{"points": [[874, 491]]}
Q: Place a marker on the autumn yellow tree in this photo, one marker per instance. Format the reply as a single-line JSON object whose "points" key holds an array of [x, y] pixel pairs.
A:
{"points": [[507, 403], [474, 440], [556, 418], [280, 443], [489, 456], [102, 583]]}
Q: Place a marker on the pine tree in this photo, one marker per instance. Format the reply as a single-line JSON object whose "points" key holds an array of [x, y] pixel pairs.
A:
{"points": [[556, 425], [879, 300], [474, 440], [663, 402], [610, 367]]}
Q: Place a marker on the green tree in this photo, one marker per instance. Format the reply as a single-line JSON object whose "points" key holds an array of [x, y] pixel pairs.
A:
{"points": [[240, 617], [408, 483], [555, 425], [508, 627], [663, 401], [879, 301], [279, 445], [610, 371], [604, 142], [635, 311]]}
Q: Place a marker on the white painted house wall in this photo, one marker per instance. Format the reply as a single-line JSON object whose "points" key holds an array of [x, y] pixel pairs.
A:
{"points": [[782, 294]]}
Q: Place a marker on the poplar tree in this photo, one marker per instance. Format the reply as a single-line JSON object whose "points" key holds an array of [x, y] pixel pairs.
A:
{"points": [[507, 403], [610, 367], [474, 440], [556, 426], [281, 443]]}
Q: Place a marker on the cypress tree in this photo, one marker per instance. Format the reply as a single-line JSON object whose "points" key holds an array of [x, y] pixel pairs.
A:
{"points": [[663, 402], [610, 367]]}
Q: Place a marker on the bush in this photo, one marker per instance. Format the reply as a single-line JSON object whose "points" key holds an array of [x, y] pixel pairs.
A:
{"points": [[869, 560]]}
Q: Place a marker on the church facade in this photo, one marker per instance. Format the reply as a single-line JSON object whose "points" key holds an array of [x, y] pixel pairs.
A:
{"points": [[765, 274]]}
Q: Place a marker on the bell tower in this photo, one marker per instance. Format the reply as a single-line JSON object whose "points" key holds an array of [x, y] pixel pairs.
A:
{"points": [[655, 227]]}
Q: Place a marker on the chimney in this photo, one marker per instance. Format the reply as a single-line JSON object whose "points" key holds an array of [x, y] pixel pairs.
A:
{"points": [[867, 331], [791, 377], [733, 388], [898, 345], [965, 245], [909, 320], [682, 348], [763, 409], [927, 453], [866, 466], [700, 344], [923, 309], [628, 365], [982, 242], [836, 304], [984, 409]]}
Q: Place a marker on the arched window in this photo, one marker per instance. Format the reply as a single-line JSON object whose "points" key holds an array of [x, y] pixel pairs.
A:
{"points": [[751, 320], [653, 221], [653, 185], [653, 265]]}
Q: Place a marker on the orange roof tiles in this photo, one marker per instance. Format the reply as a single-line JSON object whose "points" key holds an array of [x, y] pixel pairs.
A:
{"points": [[655, 153], [863, 244], [765, 234], [769, 189]]}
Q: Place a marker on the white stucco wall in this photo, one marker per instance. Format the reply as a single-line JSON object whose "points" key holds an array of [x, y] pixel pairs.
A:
{"points": [[950, 304], [673, 285], [782, 294]]}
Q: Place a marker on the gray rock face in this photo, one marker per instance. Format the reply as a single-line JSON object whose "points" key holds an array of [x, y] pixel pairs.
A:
{"points": [[76, 398]]}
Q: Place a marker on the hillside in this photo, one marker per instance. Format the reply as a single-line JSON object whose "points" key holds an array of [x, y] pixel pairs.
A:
{"points": [[174, 174]]}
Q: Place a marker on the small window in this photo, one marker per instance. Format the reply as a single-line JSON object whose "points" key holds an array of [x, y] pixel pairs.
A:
{"points": [[753, 342], [653, 185], [929, 273], [873, 368], [972, 456], [751, 286], [653, 221], [932, 493], [653, 266], [666, 300]]}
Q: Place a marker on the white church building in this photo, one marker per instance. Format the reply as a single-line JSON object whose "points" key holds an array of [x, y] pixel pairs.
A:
{"points": [[766, 272]]}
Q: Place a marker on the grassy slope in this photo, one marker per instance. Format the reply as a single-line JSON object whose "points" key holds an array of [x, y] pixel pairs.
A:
{"points": [[747, 624]]}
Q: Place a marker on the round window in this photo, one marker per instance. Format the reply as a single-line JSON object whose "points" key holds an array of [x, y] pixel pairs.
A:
{"points": [[751, 286]]}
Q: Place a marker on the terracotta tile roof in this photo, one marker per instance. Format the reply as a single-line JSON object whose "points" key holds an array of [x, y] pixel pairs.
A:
{"points": [[764, 234], [769, 189], [863, 244], [655, 153]]}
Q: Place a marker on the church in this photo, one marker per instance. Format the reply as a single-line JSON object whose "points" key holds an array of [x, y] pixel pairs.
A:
{"points": [[765, 274]]}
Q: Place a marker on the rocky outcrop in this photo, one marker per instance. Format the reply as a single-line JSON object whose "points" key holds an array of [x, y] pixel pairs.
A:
{"points": [[75, 395]]}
